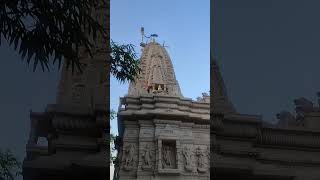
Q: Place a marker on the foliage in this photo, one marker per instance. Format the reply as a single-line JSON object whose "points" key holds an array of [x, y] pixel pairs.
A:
{"points": [[113, 115], [9, 166], [112, 147], [45, 31], [124, 64], [46, 28]]}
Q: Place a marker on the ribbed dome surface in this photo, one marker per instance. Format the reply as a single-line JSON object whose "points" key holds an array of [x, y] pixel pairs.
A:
{"points": [[157, 76]]}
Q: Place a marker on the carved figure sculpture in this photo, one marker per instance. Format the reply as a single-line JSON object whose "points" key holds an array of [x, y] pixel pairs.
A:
{"points": [[166, 157], [146, 156], [199, 99], [129, 156], [188, 158], [201, 160]]}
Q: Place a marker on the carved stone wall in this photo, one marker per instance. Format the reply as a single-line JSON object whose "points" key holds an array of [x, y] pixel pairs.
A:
{"points": [[170, 132], [241, 145], [163, 149]]}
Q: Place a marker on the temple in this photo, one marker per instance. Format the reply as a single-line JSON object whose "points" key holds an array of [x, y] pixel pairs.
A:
{"points": [[246, 147], [162, 134], [69, 139]]}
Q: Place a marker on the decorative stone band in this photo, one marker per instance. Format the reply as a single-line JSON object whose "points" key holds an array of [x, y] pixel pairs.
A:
{"points": [[294, 138], [172, 103], [172, 108], [63, 117], [71, 123], [250, 128]]}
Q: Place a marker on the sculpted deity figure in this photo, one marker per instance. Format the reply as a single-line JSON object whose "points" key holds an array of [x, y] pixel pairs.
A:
{"points": [[129, 156], [166, 156], [201, 160], [188, 157], [146, 156]]}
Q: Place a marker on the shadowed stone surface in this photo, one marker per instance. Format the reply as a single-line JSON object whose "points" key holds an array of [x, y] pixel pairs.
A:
{"points": [[245, 147], [74, 127]]}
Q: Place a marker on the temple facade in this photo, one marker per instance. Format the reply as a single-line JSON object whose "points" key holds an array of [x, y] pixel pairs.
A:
{"points": [[69, 140], [162, 134], [246, 147]]}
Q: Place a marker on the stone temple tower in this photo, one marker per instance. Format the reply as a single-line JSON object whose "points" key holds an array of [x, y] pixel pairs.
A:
{"points": [[220, 99], [75, 126], [162, 135]]}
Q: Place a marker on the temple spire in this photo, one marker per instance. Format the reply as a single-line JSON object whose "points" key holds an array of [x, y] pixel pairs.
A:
{"points": [[157, 75], [219, 88], [221, 103]]}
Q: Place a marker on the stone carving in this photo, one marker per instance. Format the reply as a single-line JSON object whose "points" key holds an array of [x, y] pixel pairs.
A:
{"points": [[201, 162], [76, 92], [302, 106], [129, 157], [205, 98], [157, 75], [285, 119], [167, 131], [205, 94], [187, 153], [166, 157], [208, 153], [146, 157]]}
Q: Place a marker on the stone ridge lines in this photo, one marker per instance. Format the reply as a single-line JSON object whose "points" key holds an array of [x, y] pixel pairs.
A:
{"points": [[157, 75], [159, 105]]}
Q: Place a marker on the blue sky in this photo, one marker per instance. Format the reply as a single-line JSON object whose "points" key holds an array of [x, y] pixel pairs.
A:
{"points": [[184, 26]]}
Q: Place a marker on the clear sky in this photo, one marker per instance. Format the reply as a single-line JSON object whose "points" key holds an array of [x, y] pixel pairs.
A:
{"points": [[268, 51], [184, 26]]}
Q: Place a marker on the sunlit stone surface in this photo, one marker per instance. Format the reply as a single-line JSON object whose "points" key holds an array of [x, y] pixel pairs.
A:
{"points": [[162, 135]]}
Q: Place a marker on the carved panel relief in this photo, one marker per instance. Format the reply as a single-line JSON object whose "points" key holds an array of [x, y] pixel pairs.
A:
{"points": [[203, 157], [147, 157], [168, 155], [129, 157], [188, 158]]}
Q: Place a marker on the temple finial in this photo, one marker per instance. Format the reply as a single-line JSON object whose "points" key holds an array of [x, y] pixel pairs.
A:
{"points": [[142, 44], [151, 36]]}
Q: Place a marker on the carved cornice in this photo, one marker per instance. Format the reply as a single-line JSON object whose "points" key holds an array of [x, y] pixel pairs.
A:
{"points": [[70, 123], [294, 138], [182, 104], [160, 107], [252, 129]]}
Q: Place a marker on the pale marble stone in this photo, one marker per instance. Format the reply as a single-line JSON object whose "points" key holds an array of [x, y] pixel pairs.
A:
{"points": [[165, 126]]}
